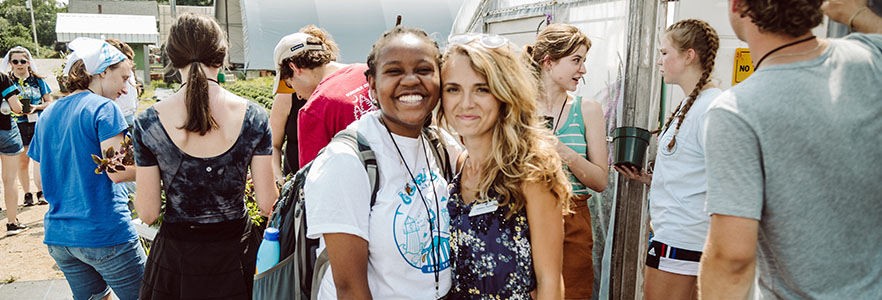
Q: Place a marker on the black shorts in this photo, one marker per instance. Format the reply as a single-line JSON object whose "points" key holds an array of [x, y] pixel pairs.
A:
{"points": [[26, 130]]}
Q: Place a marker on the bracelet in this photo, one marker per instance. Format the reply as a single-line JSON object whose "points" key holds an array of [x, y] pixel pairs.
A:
{"points": [[851, 20]]}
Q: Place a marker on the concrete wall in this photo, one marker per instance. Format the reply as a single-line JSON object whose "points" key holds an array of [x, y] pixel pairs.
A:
{"points": [[141, 8], [166, 19], [229, 15]]}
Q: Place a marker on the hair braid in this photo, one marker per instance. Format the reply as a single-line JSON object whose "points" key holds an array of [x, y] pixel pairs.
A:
{"points": [[702, 38]]}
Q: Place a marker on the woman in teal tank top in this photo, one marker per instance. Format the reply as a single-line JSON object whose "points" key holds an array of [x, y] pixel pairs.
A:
{"points": [[558, 57]]}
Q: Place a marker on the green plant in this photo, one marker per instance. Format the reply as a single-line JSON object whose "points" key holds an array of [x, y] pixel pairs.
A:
{"points": [[251, 204], [116, 160], [258, 90]]}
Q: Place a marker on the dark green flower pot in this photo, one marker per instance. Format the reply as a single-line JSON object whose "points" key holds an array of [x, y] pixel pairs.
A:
{"points": [[630, 146]]}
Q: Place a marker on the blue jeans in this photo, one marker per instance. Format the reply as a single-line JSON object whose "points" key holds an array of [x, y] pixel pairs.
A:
{"points": [[10, 141], [89, 271]]}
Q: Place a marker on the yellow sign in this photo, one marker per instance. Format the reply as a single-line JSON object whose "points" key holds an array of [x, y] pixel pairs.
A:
{"points": [[743, 65]]}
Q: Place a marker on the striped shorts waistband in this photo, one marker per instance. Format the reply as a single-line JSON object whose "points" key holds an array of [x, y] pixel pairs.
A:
{"points": [[659, 249]]}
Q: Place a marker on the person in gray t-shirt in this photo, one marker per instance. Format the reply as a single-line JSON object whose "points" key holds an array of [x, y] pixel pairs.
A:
{"points": [[792, 152]]}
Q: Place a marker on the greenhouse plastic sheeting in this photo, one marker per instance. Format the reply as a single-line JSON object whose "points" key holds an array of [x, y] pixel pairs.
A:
{"points": [[354, 25]]}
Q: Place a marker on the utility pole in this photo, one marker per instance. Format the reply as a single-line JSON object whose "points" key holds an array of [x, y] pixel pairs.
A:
{"points": [[640, 109], [173, 13], [33, 26]]}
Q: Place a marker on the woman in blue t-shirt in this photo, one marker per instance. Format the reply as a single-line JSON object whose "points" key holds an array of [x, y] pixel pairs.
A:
{"points": [[89, 232], [34, 95]]}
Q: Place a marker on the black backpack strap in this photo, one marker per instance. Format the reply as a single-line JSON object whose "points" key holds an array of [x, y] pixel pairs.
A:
{"points": [[439, 149], [354, 139]]}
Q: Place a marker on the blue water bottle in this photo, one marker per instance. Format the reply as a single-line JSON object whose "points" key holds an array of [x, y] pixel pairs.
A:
{"points": [[268, 253]]}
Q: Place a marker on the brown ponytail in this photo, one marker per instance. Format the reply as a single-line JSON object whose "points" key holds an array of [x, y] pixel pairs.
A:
{"points": [[702, 38], [199, 117], [195, 40]]}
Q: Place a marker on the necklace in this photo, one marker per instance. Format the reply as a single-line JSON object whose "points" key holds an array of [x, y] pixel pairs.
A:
{"points": [[435, 250], [796, 54], [209, 79], [560, 114], [782, 47]]}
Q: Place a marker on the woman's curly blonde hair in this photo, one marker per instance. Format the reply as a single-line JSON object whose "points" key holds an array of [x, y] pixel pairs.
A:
{"points": [[523, 150]]}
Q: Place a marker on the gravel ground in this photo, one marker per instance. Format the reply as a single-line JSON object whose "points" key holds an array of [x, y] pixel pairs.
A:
{"points": [[24, 256]]}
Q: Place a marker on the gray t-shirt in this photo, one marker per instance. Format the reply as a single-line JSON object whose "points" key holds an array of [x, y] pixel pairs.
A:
{"points": [[798, 147]]}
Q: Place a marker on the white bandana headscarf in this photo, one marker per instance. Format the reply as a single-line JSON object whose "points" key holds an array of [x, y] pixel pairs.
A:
{"points": [[5, 62], [96, 54]]}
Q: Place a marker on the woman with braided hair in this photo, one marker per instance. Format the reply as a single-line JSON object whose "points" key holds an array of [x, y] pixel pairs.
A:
{"points": [[676, 206]]}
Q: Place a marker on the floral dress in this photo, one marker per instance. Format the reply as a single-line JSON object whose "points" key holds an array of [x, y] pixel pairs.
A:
{"points": [[491, 256]]}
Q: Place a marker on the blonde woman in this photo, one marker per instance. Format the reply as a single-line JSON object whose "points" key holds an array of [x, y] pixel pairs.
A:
{"points": [[506, 205]]}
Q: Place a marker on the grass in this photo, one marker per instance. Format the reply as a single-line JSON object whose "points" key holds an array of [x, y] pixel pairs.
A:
{"points": [[145, 103], [258, 90]]}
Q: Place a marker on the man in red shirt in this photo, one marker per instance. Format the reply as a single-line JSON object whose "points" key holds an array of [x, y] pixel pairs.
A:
{"points": [[337, 94]]}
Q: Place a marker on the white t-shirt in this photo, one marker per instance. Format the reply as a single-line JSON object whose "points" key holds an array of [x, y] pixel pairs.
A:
{"points": [[400, 260], [679, 185], [128, 103]]}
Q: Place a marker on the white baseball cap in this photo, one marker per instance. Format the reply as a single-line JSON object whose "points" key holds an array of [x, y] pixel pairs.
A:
{"points": [[289, 46]]}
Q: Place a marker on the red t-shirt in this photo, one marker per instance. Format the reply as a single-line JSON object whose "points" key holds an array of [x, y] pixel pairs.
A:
{"points": [[336, 102]]}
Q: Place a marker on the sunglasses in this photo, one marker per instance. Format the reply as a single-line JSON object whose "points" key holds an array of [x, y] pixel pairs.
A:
{"points": [[488, 41], [18, 61]]}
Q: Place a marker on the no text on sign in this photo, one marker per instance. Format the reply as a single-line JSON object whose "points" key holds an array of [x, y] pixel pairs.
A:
{"points": [[743, 65]]}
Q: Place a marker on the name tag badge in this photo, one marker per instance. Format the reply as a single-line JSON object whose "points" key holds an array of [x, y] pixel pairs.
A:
{"points": [[483, 208], [32, 118]]}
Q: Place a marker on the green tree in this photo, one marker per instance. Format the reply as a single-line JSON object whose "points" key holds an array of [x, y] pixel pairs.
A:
{"points": [[17, 17], [12, 35]]}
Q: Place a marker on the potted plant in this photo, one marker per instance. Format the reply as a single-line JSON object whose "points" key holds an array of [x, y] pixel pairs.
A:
{"points": [[630, 146]]}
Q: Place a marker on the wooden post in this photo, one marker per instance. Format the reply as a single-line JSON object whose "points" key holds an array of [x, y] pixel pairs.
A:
{"points": [[146, 49], [640, 109]]}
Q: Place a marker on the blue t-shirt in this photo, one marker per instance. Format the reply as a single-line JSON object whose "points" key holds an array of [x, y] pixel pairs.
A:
{"points": [[31, 88], [85, 209]]}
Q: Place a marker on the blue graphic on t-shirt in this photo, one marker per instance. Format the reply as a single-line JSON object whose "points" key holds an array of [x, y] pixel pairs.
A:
{"points": [[411, 226]]}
